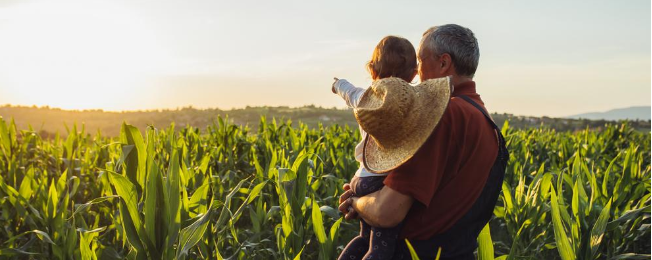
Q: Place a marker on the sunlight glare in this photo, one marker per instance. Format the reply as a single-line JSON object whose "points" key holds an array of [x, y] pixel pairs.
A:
{"points": [[74, 55]]}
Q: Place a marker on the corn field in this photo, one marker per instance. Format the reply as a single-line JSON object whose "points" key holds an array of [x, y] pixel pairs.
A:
{"points": [[228, 192]]}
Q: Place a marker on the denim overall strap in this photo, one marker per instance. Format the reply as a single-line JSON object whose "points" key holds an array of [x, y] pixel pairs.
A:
{"points": [[503, 153]]}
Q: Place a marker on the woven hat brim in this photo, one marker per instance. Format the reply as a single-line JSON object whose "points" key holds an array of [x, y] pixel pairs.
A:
{"points": [[377, 159]]}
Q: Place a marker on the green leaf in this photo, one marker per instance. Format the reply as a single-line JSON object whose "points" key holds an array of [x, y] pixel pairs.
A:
{"points": [[507, 198], [334, 228], [97, 230], [204, 163], [255, 191], [607, 175], [152, 206], [136, 234], [317, 223], [192, 234], [40, 234], [5, 139], [597, 233], [53, 201], [331, 212], [127, 191], [130, 229], [628, 215], [298, 256], [135, 162], [173, 201], [485, 244], [85, 240], [225, 214], [413, 254], [81, 207], [630, 256], [563, 245], [575, 200], [25, 189], [15, 251]]}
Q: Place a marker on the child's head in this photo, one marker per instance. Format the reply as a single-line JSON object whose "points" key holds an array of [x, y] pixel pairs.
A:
{"points": [[393, 57]]}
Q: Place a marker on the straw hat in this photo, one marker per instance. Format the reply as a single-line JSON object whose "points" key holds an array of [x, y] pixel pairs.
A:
{"points": [[398, 119]]}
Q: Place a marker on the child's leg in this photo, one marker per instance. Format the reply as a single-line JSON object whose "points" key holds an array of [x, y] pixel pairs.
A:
{"points": [[365, 230], [364, 185], [383, 242], [355, 250], [358, 246]]}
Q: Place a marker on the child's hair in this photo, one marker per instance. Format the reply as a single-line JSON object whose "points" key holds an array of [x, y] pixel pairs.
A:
{"points": [[393, 57]]}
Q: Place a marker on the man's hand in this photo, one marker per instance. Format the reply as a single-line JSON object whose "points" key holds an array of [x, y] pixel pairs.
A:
{"points": [[384, 208], [333, 86], [346, 199]]}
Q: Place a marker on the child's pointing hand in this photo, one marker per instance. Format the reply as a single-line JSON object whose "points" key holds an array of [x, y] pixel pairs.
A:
{"points": [[333, 86]]}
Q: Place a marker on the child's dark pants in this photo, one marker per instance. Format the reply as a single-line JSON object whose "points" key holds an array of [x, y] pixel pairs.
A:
{"points": [[373, 242]]}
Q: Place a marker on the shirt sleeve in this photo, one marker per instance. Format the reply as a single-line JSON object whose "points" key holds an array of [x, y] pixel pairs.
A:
{"points": [[421, 176], [350, 93]]}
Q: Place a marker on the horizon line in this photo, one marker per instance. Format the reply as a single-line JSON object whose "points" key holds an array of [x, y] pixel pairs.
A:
{"points": [[191, 107]]}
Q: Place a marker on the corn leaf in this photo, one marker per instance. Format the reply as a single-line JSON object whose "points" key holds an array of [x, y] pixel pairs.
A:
{"points": [[563, 245], [485, 244]]}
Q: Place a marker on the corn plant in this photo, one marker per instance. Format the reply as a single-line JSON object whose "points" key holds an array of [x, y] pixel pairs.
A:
{"points": [[230, 192]]}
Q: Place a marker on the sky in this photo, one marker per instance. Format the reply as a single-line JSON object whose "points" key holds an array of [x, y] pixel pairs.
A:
{"points": [[552, 58]]}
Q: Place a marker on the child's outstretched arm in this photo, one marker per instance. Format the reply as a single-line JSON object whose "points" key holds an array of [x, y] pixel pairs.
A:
{"points": [[351, 94]]}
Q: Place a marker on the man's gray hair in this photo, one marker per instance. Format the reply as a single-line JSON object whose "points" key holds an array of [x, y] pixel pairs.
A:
{"points": [[458, 41]]}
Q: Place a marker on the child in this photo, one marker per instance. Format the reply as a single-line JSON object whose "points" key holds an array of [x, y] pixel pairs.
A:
{"points": [[392, 57]]}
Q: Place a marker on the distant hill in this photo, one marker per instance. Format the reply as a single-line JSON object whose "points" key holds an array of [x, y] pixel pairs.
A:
{"points": [[47, 121], [630, 113]]}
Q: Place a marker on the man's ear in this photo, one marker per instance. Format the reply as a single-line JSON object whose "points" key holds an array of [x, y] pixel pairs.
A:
{"points": [[446, 64]]}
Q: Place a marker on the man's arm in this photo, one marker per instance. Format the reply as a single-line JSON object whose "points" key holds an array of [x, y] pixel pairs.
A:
{"points": [[416, 180], [384, 208]]}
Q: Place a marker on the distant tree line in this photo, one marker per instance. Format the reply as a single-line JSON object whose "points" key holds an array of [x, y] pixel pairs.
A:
{"points": [[48, 121]]}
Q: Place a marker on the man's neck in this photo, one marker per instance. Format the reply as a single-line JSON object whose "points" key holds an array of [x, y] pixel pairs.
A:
{"points": [[459, 80]]}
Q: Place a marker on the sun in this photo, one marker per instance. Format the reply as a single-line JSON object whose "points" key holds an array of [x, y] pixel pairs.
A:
{"points": [[75, 55]]}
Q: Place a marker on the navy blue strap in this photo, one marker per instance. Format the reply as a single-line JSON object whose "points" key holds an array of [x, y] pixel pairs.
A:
{"points": [[476, 105], [501, 139]]}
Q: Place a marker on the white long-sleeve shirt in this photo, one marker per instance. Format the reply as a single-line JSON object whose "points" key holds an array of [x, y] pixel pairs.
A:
{"points": [[352, 95]]}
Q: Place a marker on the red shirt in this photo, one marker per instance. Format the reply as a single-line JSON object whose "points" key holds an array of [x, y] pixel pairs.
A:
{"points": [[449, 171]]}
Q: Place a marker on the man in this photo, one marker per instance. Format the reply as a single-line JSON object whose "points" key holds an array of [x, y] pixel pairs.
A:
{"points": [[446, 193]]}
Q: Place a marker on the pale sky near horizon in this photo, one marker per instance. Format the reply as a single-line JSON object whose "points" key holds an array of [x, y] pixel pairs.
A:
{"points": [[553, 58]]}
